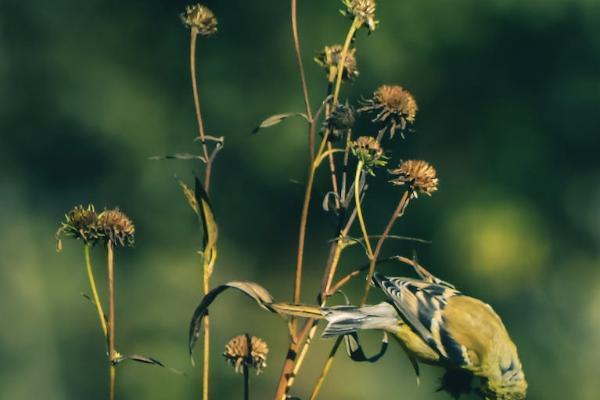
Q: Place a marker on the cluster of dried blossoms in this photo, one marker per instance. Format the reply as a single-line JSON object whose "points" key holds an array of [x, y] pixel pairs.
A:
{"points": [[85, 224], [248, 351]]}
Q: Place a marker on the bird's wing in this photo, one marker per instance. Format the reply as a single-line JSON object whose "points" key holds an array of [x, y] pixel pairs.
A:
{"points": [[421, 304]]}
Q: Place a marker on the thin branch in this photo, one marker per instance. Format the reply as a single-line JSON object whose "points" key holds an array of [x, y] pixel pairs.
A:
{"points": [[90, 272]]}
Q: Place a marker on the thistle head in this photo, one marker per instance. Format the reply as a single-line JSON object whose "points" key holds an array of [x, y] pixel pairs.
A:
{"points": [[199, 18], [116, 227], [246, 350], [368, 150], [80, 223], [394, 106], [329, 58], [363, 10], [418, 175]]}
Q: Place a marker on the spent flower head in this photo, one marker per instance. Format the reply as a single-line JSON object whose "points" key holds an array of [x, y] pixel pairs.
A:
{"points": [[329, 58], [395, 107], [239, 354], [80, 223], [419, 175], [200, 18], [368, 150], [363, 10], [339, 121], [117, 227]]}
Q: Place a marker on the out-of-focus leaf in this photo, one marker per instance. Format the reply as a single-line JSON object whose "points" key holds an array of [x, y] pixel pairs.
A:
{"points": [[178, 156], [209, 226], [276, 119], [190, 197], [261, 295], [145, 360]]}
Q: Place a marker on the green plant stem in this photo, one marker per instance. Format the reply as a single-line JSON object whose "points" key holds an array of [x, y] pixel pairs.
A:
{"points": [[90, 273], [206, 339], [361, 220], [112, 353], [326, 369], [398, 212], [340, 69]]}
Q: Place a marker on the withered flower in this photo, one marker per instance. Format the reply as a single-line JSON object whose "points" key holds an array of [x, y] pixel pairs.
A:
{"points": [[395, 107], [80, 223], [368, 150], [117, 227], [239, 354], [339, 121], [329, 58], [363, 10], [200, 18], [419, 175]]}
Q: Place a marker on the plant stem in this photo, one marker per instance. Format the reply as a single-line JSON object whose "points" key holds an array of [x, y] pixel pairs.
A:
{"points": [[340, 69], [201, 134], [326, 369], [361, 220], [207, 175], [398, 212], [111, 318], [300, 63], [246, 383], [90, 273]]}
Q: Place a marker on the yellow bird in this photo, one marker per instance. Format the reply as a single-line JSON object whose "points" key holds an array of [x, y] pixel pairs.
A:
{"points": [[437, 325]]}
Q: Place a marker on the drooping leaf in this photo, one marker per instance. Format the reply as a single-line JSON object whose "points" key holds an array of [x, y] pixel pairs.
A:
{"points": [[145, 360], [276, 119], [261, 295], [209, 226], [178, 156], [356, 352]]}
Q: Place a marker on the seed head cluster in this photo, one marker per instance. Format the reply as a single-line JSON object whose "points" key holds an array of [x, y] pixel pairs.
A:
{"points": [[239, 354], [395, 107], [363, 10], [200, 18], [329, 58], [419, 175]]}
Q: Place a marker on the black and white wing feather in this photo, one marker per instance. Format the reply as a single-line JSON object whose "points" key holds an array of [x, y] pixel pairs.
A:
{"points": [[421, 305]]}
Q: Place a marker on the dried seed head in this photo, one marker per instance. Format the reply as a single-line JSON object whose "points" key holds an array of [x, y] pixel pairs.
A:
{"points": [[340, 120], [200, 18], [330, 57], [80, 223], [419, 175], [117, 227], [238, 354], [368, 150], [395, 107], [364, 10]]}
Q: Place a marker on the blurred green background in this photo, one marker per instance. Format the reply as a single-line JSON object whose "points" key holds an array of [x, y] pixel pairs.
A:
{"points": [[509, 95]]}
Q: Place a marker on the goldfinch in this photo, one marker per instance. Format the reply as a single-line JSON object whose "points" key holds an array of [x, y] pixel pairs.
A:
{"points": [[438, 325]]}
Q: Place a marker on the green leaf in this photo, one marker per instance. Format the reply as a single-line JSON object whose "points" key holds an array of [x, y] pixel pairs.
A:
{"points": [[190, 197], [276, 119]]}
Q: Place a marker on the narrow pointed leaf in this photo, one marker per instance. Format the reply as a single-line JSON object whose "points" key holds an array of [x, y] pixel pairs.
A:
{"points": [[276, 119], [209, 226], [145, 360]]}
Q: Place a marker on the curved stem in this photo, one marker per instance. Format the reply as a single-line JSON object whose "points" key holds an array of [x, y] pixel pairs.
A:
{"points": [[340, 68], [206, 341], [326, 368], [299, 59], [111, 317], [201, 134], [90, 273], [398, 212], [361, 220]]}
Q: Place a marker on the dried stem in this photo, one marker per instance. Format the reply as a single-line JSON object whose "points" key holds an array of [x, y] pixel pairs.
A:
{"points": [[246, 382], [340, 68], [398, 212], [90, 272], [201, 133], [112, 354], [326, 368]]}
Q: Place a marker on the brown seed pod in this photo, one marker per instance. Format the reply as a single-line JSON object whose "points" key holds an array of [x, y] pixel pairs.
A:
{"points": [[418, 174], [239, 354], [395, 106]]}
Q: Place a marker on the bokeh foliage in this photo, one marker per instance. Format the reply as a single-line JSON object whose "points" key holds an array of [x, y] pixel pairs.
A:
{"points": [[509, 93]]}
